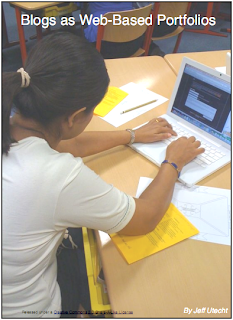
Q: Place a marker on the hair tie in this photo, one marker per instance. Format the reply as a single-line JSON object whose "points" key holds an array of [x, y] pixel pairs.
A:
{"points": [[25, 78]]}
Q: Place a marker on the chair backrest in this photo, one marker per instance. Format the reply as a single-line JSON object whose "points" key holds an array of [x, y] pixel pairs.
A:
{"points": [[173, 9], [169, 9], [125, 33]]}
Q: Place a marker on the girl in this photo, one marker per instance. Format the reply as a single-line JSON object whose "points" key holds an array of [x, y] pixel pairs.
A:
{"points": [[46, 186]]}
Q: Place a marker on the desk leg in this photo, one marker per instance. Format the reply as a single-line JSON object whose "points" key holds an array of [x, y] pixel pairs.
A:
{"points": [[21, 35], [39, 32], [206, 28], [44, 33]]}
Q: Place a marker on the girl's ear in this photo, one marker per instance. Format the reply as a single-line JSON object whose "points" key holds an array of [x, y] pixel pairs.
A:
{"points": [[75, 116]]}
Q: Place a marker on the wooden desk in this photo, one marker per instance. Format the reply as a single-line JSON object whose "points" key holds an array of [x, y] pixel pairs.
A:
{"points": [[34, 5], [116, 162], [212, 59], [30, 7], [191, 274]]}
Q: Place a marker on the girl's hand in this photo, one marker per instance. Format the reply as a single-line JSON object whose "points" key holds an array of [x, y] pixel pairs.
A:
{"points": [[183, 150], [155, 130]]}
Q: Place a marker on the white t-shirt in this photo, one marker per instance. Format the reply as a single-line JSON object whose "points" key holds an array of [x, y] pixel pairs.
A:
{"points": [[44, 192]]}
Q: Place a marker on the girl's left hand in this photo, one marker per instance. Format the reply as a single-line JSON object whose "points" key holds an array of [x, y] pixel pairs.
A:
{"points": [[155, 130]]}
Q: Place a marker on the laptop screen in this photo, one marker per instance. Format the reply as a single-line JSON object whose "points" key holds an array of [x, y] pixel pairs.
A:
{"points": [[204, 101]]}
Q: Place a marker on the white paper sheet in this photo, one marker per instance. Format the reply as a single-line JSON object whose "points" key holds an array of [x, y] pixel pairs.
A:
{"points": [[137, 96], [208, 209]]}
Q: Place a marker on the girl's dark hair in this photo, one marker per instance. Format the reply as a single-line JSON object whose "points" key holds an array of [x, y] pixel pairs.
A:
{"points": [[67, 73]]}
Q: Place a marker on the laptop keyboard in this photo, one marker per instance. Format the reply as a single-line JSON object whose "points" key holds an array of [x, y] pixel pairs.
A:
{"points": [[210, 155]]}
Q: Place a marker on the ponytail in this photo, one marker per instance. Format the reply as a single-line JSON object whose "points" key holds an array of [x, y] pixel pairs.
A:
{"points": [[66, 73], [11, 87]]}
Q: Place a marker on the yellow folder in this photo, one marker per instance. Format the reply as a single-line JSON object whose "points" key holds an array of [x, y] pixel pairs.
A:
{"points": [[173, 228], [111, 99]]}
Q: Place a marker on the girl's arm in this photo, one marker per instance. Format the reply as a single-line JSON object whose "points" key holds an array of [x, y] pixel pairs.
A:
{"points": [[89, 143], [155, 200]]}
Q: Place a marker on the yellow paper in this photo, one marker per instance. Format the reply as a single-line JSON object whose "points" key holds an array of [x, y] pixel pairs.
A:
{"points": [[173, 228], [111, 99]]}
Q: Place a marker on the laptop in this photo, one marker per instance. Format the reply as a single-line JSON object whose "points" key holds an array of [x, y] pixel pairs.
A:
{"points": [[200, 106], [228, 63]]}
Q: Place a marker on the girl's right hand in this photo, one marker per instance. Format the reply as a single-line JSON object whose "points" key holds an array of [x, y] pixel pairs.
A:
{"points": [[183, 150]]}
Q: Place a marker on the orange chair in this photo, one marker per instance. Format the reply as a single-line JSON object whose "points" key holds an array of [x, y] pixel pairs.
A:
{"points": [[209, 12], [121, 33], [170, 9]]}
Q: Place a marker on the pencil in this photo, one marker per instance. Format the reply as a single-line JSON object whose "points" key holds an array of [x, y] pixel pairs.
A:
{"points": [[141, 105]]}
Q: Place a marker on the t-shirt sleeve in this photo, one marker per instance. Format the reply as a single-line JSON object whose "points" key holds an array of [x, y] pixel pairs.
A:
{"points": [[88, 201]]}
